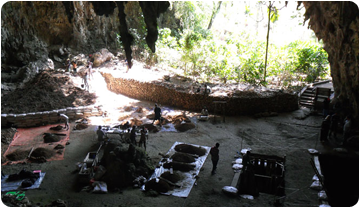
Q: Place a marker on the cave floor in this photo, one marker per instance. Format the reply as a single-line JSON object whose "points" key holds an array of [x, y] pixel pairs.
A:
{"points": [[278, 135]]}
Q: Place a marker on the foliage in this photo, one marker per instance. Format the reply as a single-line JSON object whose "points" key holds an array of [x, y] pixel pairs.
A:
{"points": [[213, 55]]}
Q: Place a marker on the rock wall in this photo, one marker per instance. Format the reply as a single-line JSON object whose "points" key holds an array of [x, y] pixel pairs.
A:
{"points": [[337, 24], [47, 117], [36, 30], [246, 103]]}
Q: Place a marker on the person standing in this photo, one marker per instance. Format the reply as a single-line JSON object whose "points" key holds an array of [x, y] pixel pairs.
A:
{"points": [[325, 126], [85, 80], [326, 106], [334, 125], [74, 67], [68, 65], [63, 116], [346, 129], [157, 112], [133, 135], [214, 152], [90, 71], [246, 160], [100, 133], [143, 137]]}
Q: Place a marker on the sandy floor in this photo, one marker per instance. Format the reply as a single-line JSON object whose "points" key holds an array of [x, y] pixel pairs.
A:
{"points": [[280, 135]]}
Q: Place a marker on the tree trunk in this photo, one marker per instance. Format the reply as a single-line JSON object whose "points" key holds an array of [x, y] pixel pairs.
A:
{"points": [[215, 12], [267, 40]]}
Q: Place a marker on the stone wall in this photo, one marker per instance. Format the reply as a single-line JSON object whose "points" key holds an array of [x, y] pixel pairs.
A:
{"points": [[47, 117], [244, 103]]}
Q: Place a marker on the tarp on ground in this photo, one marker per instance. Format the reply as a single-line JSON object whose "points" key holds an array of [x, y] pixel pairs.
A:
{"points": [[16, 185], [189, 178], [27, 138]]}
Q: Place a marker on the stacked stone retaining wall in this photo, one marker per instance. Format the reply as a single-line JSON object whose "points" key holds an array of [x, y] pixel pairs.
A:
{"points": [[47, 117], [165, 93]]}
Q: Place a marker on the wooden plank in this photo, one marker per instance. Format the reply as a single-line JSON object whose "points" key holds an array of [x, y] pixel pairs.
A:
{"points": [[235, 179], [262, 176], [317, 164]]}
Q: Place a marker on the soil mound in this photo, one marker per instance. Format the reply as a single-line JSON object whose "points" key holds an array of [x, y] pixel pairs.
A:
{"points": [[7, 135], [124, 163], [184, 127], [185, 148], [161, 186], [182, 157], [178, 119], [81, 126], [18, 155], [151, 128], [123, 118], [56, 128], [48, 138], [174, 178], [135, 122], [128, 108], [42, 152], [139, 110], [184, 167], [47, 91]]}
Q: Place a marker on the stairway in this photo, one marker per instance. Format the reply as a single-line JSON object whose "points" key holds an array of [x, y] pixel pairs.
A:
{"points": [[307, 97]]}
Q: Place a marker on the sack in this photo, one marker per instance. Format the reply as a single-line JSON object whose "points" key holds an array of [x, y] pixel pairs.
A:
{"points": [[322, 195], [238, 161], [237, 166], [230, 190], [99, 187], [27, 183], [316, 185]]}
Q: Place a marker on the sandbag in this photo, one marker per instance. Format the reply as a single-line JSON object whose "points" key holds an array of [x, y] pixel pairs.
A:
{"points": [[230, 190], [322, 195], [237, 166], [99, 187], [316, 185], [238, 161]]}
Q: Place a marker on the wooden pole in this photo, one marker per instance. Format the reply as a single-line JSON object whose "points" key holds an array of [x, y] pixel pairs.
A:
{"points": [[32, 149], [267, 40]]}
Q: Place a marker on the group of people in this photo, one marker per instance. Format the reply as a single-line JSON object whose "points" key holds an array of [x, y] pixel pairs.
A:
{"points": [[88, 74], [214, 151], [143, 136], [331, 122]]}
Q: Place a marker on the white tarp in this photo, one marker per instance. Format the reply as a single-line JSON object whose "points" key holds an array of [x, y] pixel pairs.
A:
{"points": [[188, 177], [16, 185]]}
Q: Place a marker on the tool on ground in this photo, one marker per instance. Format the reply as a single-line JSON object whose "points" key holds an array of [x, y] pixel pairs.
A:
{"points": [[19, 195], [32, 149]]}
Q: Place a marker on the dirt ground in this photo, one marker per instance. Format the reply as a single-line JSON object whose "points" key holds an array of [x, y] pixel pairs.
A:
{"points": [[278, 135]]}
